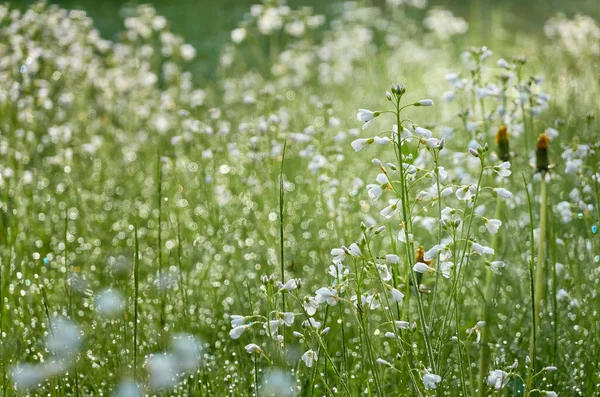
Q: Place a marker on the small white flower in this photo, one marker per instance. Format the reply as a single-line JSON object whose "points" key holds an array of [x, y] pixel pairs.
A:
{"points": [[492, 225], [482, 250], [381, 140], [288, 318], [466, 193], [497, 379], [383, 362], [390, 335], [446, 268], [237, 320], [338, 255], [253, 348], [310, 305], [361, 143], [397, 295], [551, 394], [390, 210], [500, 191], [371, 301], [310, 357], [238, 35], [503, 169], [433, 252], [338, 271], [430, 380], [236, 332], [423, 133], [384, 272], [382, 179], [326, 295], [374, 191], [421, 267], [496, 266], [290, 285], [402, 324], [366, 116], [425, 102], [355, 250]]}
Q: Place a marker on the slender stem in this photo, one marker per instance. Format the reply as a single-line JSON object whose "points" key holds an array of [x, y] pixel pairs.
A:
{"points": [[281, 250], [487, 312], [136, 283], [539, 271], [532, 287]]}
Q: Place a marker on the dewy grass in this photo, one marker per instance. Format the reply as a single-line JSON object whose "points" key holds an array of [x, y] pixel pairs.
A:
{"points": [[248, 236]]}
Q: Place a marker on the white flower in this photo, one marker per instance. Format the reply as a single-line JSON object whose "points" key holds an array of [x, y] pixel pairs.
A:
{"points": [[236, 332], [355, 250], [338, 271], [402, 324], [500, 191], [391, 258], [382, 179], [397, 295], [466, 193], [390, 335], [390, 210], [482, 250], [361, 143], [492, 225], [309, 358], [237, 320], [326, 295], [366, 116], [551, 394], [338, 255], [381, 140], [253, 348], [495, 266], [430, 380], [423, 133], [446, 268], [433, 252], [272, 327], [383, 362], [384, 273], [290, 285], [371, 301], [421, 267], [238, 35], [310, 305], [425, 102], [374, 191], [503, 169], [497, 379], [288, 318]]}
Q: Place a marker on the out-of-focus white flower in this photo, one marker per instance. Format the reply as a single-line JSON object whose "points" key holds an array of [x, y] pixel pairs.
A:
{"points": [[238, 35], [162, 371], [327, 295], [492, 225], [421, 267], [186, 349], [500, 191], [495, 266], [110, 303], [430, 380], [309, 358], [397, 295], [253, 348], [497, 379], [236, 332], [482, 250]]}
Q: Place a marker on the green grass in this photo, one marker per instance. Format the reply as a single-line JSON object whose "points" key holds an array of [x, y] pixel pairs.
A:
{"points": [[136, 219]]}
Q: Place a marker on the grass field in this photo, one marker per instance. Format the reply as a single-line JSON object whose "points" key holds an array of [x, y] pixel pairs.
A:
{"points": [[375, 202]]}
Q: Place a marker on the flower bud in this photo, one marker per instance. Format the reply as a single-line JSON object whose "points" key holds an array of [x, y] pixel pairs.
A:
{"points": [[502, 142], [541, 154], [473, 152]]}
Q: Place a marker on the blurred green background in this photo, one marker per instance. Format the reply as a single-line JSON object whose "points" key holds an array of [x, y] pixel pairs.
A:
{"points": [[206, 23]]}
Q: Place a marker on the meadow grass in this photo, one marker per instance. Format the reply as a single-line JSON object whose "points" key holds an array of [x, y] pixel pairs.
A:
{"points": [[292, 228]]}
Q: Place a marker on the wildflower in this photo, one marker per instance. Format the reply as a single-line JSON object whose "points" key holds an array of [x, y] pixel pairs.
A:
{"points": [[503, 169], [384, 272], [497, 379], [500, 191], [397, 295], [430, 380], [236, 332], [466, 193], [381, 140], [338, 255], [310, 357], [445, 268], [310, 305], [391, 258], [338, 271], [355, 250], [327, 295], [390, 210], [502, 142], [423, 133], [550, 368], [402, 324], [383, 362], [390, 335], [253, 348], [238, 35], [496, 266], [424, 102], [361, 143], [492, 225], [290, 285], [288, 318], [541, 154], [429, 255], [421, 267], [371, 301], [482, 250], [366, 116], [374, 191], [551, 394]]}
